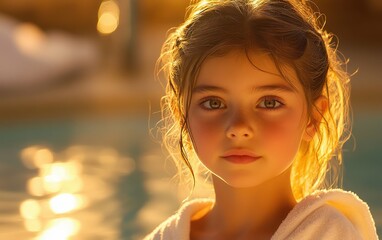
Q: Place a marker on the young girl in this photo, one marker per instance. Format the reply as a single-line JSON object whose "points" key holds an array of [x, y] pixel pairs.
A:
{"points": [[256, 95]]}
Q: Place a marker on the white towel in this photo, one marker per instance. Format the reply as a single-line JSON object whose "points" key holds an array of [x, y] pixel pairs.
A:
{"points": [[326, 214]]}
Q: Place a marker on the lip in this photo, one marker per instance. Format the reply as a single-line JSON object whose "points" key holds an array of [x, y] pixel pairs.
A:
{"points": [[240, 156]]}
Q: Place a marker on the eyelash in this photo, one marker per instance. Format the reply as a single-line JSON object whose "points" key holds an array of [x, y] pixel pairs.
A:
{"points": [[210, 99], [266, 98], [272, 98]]}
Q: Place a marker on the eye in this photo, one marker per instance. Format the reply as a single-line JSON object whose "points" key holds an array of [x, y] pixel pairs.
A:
{"points": [[270, 103], [213, 104]]}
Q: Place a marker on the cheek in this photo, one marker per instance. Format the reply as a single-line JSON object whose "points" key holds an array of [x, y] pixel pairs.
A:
{"points": [[283, 132], [205, 132]]}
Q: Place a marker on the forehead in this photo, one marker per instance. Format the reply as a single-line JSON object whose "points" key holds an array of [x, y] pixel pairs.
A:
{"points": [[254, 67]]}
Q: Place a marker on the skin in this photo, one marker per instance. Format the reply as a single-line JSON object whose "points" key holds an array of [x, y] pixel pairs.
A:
{"points": [[235, 107]]}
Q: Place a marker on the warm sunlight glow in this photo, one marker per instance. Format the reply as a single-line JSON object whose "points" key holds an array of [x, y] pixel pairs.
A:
{"points": [[36, 156], [65, 202], [29, 38], [74, 185], [108, 17], [32, 225], [57, 175], [107, 23], [30, 209], [60, 229], [35, 186], [43, 156], [66, 189]]}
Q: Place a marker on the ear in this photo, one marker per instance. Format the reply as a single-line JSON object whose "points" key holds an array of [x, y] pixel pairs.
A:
{"points": [[319, 108]]}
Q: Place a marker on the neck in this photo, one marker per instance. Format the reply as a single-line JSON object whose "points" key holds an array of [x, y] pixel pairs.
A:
{"points": [[256, 210]]}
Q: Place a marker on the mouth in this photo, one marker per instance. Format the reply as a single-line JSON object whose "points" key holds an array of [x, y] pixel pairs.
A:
{"points": [[240, 156]]}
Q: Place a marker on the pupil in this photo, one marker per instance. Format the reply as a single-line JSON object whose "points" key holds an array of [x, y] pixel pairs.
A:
{"points": [[215, 104], [269, 103]]}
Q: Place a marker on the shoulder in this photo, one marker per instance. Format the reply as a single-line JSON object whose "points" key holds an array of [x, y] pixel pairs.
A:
{"points": [[178, 225], [329, 214]]}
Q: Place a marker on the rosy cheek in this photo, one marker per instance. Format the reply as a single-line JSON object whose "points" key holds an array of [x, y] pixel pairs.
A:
{"points": [[284, 129], [203, 129]]}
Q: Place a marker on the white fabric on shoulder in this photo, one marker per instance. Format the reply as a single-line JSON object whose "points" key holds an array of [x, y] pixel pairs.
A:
{"points": [[326, 214]]}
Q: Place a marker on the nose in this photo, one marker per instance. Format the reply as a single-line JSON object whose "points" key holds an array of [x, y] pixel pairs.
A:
{"points": [[239, 127]]}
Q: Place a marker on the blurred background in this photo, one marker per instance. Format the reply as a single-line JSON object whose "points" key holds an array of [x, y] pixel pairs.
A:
{"points": [[79, 103]]}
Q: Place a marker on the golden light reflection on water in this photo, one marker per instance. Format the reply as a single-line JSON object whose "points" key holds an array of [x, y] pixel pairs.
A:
{"points": [[66, 187], [36, 156], [32, 225], [30, 209], [66, 202], [60, 229]]}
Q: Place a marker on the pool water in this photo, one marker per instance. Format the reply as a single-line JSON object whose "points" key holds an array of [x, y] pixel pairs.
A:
{"points": [[107, 178]]}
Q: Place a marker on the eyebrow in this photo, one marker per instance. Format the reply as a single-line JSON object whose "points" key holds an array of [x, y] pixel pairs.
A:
{"points": [[276, 87], [263, 88], [208, 88]]}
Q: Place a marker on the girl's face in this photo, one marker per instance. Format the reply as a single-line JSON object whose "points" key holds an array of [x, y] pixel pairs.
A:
{"points": [[246, 123]]}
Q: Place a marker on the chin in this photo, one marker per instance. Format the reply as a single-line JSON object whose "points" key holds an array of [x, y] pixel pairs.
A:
{"points": [[242, 181]]}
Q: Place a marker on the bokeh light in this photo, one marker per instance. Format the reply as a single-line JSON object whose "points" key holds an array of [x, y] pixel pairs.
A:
{"points": [[30, 209], [29, 38], [60, 229], [36, 156], [108, 17], [66, 202]]}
